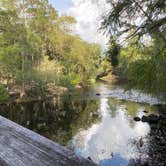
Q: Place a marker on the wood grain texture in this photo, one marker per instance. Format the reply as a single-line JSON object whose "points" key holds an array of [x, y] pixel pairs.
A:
{"points": [[22, 147]]}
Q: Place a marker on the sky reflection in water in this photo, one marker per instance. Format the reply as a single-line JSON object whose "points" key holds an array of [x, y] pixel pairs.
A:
{"points": [[109, 141], [95, 126]]}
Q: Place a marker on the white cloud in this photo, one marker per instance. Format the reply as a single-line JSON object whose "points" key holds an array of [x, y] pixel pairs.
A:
{"points": [[88, 15]]}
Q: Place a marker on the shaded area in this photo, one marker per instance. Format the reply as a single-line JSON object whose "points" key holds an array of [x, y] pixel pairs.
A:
{"points": [[157, 144], [20, 146], [58, 119]]}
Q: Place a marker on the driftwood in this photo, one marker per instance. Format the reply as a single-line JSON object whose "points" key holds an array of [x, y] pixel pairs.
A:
{"points": [[22, 147], [103, 74]]}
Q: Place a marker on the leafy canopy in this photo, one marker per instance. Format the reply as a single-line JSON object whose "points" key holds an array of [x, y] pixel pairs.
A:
{"points": [[139, 17]]}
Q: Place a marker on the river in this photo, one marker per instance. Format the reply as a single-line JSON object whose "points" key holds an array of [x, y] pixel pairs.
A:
{"points": [[97, 122]]}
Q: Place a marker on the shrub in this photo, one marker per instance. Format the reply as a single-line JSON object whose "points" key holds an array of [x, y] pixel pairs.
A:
{"points": [[4, 97]]}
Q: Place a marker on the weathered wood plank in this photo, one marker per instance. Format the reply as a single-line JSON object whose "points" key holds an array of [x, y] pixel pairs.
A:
{"points": [[22, 147]]}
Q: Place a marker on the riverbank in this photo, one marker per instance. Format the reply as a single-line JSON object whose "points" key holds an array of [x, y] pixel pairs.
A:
{"points": [[156, 141], [118, 78], [119, 92], [112, 90], [13, 93]]}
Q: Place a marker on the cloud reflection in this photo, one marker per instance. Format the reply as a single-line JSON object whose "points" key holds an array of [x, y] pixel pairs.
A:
{"points": [[109, 140]]}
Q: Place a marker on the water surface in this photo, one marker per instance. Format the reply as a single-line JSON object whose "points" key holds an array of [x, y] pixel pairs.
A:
{"points": [[99, 127]]}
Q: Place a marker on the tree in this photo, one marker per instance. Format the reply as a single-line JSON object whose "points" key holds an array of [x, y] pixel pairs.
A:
{"points": [[18, 52], [139, 17], [44, 21], [132, 19], [33, 35], [113, 52], [9, 46]]}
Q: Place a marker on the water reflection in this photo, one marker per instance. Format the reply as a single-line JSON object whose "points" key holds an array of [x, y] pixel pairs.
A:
{"points": [[111, 141], [98, 127], [58, 119]]}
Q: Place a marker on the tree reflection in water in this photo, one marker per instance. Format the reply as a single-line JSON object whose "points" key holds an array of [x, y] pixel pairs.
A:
{"points": [[58, 119], [98, 127]]}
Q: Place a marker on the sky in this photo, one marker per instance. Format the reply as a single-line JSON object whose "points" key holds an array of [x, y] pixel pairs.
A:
{"points": [[88, 15], [61, 5]]}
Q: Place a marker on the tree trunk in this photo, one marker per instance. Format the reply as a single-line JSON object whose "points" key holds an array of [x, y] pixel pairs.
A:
{"points": [[22, 92]]}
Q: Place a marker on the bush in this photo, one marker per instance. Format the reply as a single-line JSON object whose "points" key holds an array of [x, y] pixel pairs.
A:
{"points": [[74, 79], [4, 97], [65, 81], [69, 80], [146, 75]]}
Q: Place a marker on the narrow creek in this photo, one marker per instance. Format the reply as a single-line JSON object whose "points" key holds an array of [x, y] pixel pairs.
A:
{"points": [[97, 123]]}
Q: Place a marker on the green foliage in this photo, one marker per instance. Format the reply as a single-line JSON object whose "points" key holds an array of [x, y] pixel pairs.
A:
{"points": [[142, 69], [3, 94], [141, 62], [37, 47], [75, 79], [150, 76], [69, 80], [65, 81], [113, 53], [105, 65], [122, 19]]}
